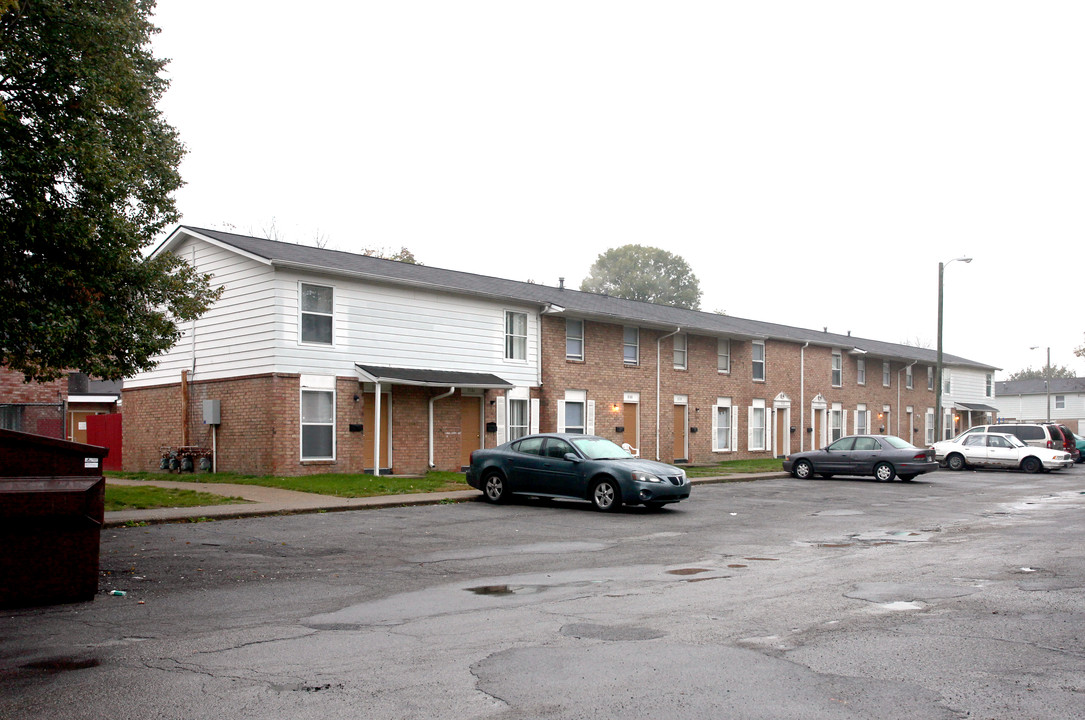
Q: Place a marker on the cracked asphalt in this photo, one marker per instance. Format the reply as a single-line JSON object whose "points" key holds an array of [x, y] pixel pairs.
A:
{"points": [[960, 595]]}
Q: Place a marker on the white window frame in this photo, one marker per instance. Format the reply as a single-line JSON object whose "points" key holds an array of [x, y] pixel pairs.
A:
{"points": [[862, 420], [755, 362], [579, 397], [1060, 402], [757, 427], [316, 385], [860, 371], [730, 430], [837, 375], [634, 345], [571, 336], [836, 413], [515, 342], [681, 351], [887, 374], [928, 426], [908, 380], [723, 356], [302, 312], [989, 385]]}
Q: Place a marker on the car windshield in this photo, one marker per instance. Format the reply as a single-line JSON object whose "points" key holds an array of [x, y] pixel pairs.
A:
{"points": [[597, 448], [898, 443]]}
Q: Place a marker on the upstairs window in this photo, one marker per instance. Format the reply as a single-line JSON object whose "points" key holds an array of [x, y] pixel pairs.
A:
{"points": [[887, 379], [990, 386], [574, 339], [838, 368], [515, 335], [930, 379], [860, 371], [1060, 402], [631, 345], [908, 377], [317, 302], [723, 355], [679, 352], [758, 351]]}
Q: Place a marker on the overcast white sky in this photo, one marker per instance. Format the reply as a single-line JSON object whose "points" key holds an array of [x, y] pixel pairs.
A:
{"points": [[812, 161]]}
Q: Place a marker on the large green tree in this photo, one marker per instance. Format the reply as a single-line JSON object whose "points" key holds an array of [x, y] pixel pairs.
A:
{"points": [[88, 166], [1056, 371], [638, 272]]}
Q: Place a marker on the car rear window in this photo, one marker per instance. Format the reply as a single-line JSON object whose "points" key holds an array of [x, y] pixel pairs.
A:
{"points": [[898, 443]]}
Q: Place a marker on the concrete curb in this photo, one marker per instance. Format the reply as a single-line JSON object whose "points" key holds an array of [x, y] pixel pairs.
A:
{"points": [[266, 501]]}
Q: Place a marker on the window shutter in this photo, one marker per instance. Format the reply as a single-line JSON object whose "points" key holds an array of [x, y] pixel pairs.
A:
{"points": [[855, 417], [534, 422], [590, 420], [715, 427], [734, 431], [561, 416], [749, 428], [499, 408]]}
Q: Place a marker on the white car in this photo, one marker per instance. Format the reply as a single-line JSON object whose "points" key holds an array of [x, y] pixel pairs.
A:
{"points": [[998, 450]]}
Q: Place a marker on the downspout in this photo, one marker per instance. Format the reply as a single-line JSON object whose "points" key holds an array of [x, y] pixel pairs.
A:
{"points": [[432, 400], [802, 396], [377, 430], [909, 439], [659, 341]]}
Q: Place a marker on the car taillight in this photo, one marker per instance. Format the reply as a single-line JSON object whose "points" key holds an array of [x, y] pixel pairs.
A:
{"points": [[1050, 445], [920, 456]]}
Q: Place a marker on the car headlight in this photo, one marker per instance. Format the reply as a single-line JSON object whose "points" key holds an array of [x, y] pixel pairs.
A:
{"points": [[640, 476]]}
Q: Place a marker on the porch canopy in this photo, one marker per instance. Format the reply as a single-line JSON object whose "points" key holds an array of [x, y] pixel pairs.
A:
{"points": [[975, 407], [431, 378], [451, 379]]}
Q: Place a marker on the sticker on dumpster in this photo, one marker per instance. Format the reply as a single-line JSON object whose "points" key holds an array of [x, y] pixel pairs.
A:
{"points": [[90, 462]]}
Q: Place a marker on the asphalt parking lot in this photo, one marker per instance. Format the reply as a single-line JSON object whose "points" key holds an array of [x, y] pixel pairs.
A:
{"points": [[957, 595]]}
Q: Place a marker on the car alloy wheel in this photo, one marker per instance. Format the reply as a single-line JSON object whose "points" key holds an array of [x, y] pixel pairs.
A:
{"points": [[803, 470], [494, 488], [884, 472], [606, 496]]}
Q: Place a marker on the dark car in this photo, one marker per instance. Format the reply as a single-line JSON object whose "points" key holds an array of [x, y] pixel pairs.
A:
{"points": [[585, 467], [1069, 444], [883, 456]]}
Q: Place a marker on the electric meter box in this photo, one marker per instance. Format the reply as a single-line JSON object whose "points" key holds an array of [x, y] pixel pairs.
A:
{"points": [[212, 412]]}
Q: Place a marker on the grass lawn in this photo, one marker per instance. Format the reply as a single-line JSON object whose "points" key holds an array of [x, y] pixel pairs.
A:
{"points": [[337, 484], [734, 467], [142, 497]]}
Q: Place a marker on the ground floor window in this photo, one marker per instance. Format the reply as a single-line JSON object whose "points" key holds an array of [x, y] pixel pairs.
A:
{"points": [[929, 423], [757, 428], [576, 414], [862, 421], [317, 424], [518, 419], [836, 423], [722, 428]]}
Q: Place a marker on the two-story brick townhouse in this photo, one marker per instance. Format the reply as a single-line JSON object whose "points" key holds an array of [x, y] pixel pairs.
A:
{"points": [[322, 360], [59, 408]]}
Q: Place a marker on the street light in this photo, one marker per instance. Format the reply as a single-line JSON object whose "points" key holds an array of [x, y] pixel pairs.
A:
{"points": [[1047, 379], [939, 415]]}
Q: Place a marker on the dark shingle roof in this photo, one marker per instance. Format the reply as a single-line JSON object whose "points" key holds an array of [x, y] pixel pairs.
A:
{"points": [[575, 302], [1035, 386]]}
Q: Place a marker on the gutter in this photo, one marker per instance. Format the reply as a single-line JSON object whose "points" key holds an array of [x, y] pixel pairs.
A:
{"points": [[432, 400], [659, 341]]}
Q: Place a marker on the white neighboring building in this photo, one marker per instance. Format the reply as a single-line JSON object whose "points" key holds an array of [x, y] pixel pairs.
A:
{"points": [[968, 398], [1029, 400]]}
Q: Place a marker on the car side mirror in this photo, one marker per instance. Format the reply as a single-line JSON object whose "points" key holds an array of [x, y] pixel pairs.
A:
{"points": [[572, 457]]}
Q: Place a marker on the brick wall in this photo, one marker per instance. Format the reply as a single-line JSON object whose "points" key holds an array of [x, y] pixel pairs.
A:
{"points": [[607, 378]]}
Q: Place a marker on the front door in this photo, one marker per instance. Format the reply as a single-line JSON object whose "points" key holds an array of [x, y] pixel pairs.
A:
{"points": [[630, 421], [783, 437], [679, 449], [78, 427], [370, 426], [470, 428], [819, 427]]}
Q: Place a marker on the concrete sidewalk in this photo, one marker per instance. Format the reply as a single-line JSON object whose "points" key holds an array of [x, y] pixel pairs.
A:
{"points": [[265, 501]]}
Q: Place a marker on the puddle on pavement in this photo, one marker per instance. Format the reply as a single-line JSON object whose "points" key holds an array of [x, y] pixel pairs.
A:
{"points": [[688, 571], [491, 590], [63, 664]]}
